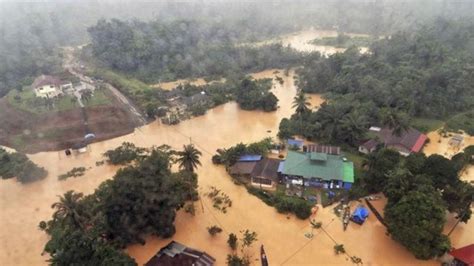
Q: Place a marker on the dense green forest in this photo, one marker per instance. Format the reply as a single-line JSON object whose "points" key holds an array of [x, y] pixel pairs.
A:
{"points": [[19, 166], [91, 230], [428, 73], [158, 51]]}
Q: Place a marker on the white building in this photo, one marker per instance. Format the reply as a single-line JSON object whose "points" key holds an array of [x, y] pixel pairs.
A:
{"points": [[48, 86]]}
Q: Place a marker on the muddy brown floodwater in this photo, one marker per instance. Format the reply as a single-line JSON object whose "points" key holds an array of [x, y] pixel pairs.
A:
{"points": [[301, 41], [23, 206]]}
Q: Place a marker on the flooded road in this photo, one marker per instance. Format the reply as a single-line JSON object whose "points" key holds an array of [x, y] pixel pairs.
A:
{"points": [[23, 206]]}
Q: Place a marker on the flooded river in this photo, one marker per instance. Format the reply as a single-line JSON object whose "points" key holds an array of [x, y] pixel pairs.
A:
{"points": [[23, 206], [298, 40]]}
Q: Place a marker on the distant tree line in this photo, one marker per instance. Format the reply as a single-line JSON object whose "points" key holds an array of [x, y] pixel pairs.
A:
{"points": [[19, 166], [141, 199], [160, 51]]}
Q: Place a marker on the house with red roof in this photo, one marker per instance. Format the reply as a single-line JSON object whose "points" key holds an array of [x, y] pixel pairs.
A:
{"points": [[407, 142], [463, 256]]}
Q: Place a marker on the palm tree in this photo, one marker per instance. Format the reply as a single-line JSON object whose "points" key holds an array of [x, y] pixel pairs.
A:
{"points": [[301, 103], [189, 158], [398, 121], [68, 208], [355, 127], [330, 117]]}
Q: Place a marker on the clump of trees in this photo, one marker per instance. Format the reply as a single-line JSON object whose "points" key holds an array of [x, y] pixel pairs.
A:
{"points": [[230, 156], [214, 230], [255, 94], [420, 190], [74, 172], [92, 229], [19, 166], [282, 203], [124, 154], [220, 200]]}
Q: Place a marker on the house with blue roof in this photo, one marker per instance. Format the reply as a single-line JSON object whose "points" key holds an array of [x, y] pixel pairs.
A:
{"points": [[319, 169]]}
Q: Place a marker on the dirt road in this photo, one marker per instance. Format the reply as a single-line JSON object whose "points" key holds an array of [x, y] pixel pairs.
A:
{"points": [[71, 64]]}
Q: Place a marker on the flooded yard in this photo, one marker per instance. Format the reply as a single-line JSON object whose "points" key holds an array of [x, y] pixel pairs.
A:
{"points": [[23, 206]]}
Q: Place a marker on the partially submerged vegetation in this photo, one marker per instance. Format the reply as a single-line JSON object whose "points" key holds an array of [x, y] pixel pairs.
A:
{"points": [[92, 229], [419, 189], [407, 75], [220, 200], [230, 155], [19, 166], [282, 203], [344, 41], [125, 153], [74, 172]]}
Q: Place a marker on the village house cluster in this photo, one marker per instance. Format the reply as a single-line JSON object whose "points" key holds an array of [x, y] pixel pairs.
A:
{"points": [[314, 165]]}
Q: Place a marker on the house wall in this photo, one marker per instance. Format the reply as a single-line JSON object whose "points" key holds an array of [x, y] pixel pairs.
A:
{"points": [[262, 181], [47, 91], [363, 150]]}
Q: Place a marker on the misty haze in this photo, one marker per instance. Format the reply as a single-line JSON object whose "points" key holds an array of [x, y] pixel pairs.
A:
{"points": [[336, 132]]}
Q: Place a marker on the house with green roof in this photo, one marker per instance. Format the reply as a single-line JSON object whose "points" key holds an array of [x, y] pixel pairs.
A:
{"points": [[319, 169]]}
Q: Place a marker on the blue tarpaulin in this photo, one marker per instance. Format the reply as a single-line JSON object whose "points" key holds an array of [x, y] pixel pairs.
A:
{"points": [[360, 214], [295, 142], [250, 158]]}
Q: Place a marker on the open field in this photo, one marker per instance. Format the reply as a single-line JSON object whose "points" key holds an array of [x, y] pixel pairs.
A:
{"points": [[27, 101]]}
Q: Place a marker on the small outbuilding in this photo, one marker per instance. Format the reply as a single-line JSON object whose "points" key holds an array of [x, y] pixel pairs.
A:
{"points": [[456, 141], [177, 254]]}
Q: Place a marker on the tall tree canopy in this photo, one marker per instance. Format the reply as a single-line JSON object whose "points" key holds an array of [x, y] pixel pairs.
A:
{"points": [[141, 199]]}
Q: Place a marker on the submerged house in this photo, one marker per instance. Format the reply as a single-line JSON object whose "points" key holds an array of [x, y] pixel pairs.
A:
{"points": [[262, 172], [408, 142], [176, 254], [265, 173], [319, 169]]}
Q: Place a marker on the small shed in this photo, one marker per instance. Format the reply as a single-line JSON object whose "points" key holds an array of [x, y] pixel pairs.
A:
{"points": [[456, 141]]}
